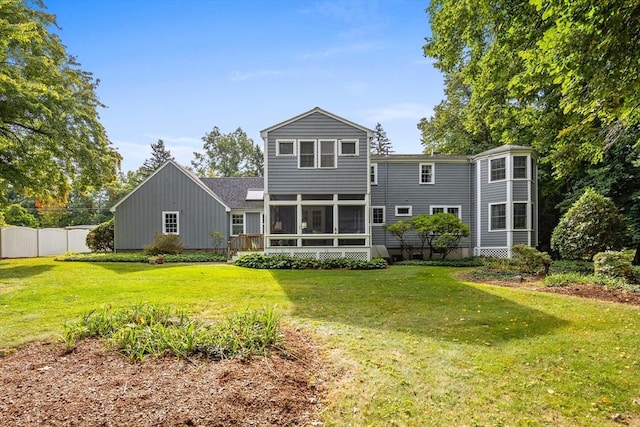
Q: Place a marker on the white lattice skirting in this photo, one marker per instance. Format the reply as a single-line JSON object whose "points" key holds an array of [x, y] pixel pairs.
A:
{"points": [[492, 252], [363, 254]]}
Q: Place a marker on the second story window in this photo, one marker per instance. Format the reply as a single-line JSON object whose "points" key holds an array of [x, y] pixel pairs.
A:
{"points": [[373, 174], [327, 153], [498, 169], [349, 147], [519, 167], [307, 154], [285, 147], [426, 173]]}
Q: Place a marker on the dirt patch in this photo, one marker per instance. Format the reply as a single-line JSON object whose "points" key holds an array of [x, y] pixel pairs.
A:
{"points": [[579, 290], [94, 386]]}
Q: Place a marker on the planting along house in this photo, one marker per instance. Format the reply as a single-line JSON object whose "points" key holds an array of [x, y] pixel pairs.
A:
{"points": [[324, 195]]}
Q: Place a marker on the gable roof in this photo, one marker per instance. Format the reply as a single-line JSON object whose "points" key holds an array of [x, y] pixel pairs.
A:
{"points": [[233, 190], [264, 132], [189, 175]]}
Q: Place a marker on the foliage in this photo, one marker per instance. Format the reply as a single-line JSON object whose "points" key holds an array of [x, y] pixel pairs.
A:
{"points": [[159, 156], [232, 154], [614, 265], [592, 224], [380, 143], [529, 260], [448, 230], [18, 215], [463, 262], [145, 329], [165, 244], [186, 257], [217, 239], [51, 138], [285, 262], [569, 279], [399, 229], [101, 238]]}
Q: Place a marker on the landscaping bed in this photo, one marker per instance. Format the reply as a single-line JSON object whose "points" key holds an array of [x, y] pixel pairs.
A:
{"points": [[42, 385]]}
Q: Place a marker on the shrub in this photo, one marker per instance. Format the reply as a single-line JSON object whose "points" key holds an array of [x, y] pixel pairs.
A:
{"points": [[165, 244], [614, 264], [100, 239], [285, 262], [592, 224], [530, 260], [567, 279]]}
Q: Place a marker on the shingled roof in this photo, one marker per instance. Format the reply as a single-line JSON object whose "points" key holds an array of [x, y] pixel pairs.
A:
{"points": [[233, 191]]}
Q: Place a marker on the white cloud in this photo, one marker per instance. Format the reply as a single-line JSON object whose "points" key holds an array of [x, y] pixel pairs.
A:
{"points": [[249, 75], [404, 110]]}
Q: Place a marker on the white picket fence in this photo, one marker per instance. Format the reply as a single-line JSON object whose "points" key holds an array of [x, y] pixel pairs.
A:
{"points": [[26, 242]]}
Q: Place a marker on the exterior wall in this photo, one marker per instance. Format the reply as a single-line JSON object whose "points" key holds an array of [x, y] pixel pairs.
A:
{"points": [[350, 175], [490, 193], [252, 225], [139, 217], [398, 185]]}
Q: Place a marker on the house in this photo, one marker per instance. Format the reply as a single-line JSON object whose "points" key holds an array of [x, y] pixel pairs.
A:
{"points": [[324, 195]]}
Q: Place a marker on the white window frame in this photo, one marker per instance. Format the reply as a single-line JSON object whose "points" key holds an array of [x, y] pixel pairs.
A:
{"points": [[445, 208], [506, 219], [409, 207], [244, 223], [315, 154], [526, 167], [384, 216], [319, 145], [433, 174], [491, 169], [285, 141], [373, 170], [526, 216], [164, 222], [355, 142]]}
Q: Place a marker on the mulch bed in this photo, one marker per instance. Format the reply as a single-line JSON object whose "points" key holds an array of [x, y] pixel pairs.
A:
{"points": [[94, 386]]}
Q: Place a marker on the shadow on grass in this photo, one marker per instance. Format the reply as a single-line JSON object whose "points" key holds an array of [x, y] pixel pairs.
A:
{"points": [[22, 271], [423, 301], [132, 267]]}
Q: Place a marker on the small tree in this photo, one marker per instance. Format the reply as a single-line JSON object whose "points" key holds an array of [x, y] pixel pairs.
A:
{"points": [[216, 239], [399, 229], [422, 225], [101, 237], [591, 225], [447, 230]]}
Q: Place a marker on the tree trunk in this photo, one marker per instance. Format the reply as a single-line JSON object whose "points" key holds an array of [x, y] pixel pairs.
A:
{"points": [[636, 258]]}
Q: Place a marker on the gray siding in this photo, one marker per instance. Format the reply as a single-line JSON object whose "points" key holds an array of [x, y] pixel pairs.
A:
{"points": [[398, 185], [285, 177], [520, 190], [252, 225], [139, 217], [491, 192], [520, 237]]}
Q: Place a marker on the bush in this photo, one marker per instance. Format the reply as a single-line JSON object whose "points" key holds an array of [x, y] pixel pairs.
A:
{"points": [[568, 279], [285, 262], [165, 244], [100, 239], [614, 265], [592, 224], [529, 260]]}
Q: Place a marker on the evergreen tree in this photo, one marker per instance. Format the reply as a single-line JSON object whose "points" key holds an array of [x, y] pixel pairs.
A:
{"points": [[380, 144], [159, 156]]}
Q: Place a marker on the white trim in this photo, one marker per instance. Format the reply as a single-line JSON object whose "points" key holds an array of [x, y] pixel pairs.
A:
{"points": [[384, 216], [509, 208], [404, 207], [506, 169], [244, 222], [315, 153], [527, 225], [527, 160], [445, 208], [433, 173], [479, 221], [490, 217], [189, 174], [285, 141], [164, 221], [264, 133], [334, 142], [356, 142]]}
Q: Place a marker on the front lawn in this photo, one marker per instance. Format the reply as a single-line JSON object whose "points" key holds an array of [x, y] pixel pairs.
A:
{"points": [[407, 345]]}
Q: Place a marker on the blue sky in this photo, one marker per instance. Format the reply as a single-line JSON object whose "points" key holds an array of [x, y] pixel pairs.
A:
{"points": [[173, 69]]}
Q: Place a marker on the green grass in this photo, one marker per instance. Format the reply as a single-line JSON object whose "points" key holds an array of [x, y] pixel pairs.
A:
{"points": [[407, 346]]}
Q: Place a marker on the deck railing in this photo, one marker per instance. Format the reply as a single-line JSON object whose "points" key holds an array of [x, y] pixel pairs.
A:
{"points": [[245, 243]]}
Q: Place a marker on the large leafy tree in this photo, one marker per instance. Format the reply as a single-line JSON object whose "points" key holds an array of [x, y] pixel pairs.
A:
{"points": [[50, 135], [231, 154]]}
